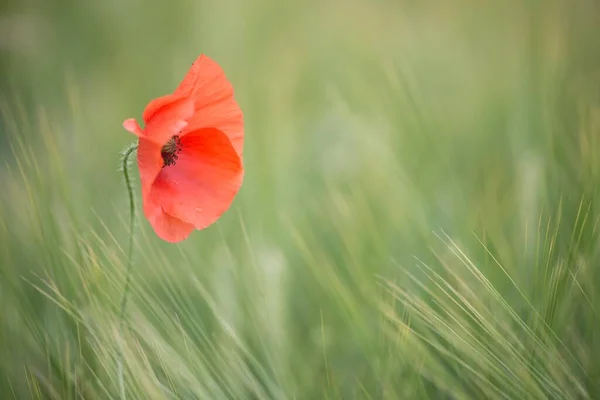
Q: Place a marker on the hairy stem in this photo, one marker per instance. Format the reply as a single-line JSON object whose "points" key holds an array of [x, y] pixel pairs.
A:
{"points": [[125, 163]]}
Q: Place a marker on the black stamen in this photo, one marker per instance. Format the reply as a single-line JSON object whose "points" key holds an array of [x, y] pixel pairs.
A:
{"points": [[170, 151]]}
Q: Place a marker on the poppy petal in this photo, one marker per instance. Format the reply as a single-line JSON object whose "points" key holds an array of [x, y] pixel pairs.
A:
{"points": [[224, 115], [150, 163], [132, 126], [188, 83], [214, 102], [157, 104], [166, 226], [169, 120], [204, 181]]}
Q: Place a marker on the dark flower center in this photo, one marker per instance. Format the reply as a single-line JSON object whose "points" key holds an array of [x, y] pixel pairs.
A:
{"points": [[170, 151]]}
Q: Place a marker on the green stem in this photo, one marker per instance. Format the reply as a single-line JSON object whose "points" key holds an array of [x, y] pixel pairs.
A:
{"points": [[133, 147]]}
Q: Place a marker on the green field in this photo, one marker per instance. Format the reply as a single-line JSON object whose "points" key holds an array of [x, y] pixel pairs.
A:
{"points": [[419, 216]]}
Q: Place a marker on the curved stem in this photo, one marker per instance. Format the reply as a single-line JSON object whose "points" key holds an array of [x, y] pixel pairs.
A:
{"points": [[125, 163]]}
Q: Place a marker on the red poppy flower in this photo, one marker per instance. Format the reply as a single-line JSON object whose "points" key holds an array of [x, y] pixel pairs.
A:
{"points": [[190, 152]]}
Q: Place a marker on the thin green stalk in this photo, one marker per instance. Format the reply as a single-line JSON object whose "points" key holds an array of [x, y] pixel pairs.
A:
{"points": [[133, 147]]}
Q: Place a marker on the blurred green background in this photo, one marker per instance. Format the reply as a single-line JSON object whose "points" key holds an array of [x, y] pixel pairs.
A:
{"points": [[418, 217]]}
